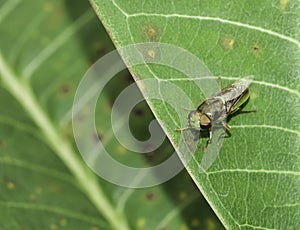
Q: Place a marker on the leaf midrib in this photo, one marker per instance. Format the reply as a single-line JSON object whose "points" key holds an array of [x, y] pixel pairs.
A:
{"points": [[88, 181]]}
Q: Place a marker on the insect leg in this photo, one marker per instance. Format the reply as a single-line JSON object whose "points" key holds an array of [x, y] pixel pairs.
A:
{"points": [[248, 111], [208, 141], [187, 109], [220, 82], [226, 126], [181, 129], [210, 136]]}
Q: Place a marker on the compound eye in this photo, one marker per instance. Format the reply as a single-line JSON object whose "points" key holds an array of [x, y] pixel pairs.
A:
{"points": [[205, 120]]}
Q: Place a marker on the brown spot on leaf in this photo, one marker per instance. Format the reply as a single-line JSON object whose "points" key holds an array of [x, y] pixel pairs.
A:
{"points": [[139, 112], [256, 49], [54, 188], [10, 185], [228, 42], [53, 227], [63, 222], [150, 196], [151, 33], [183, 195], [149, 156], [151, 53], [65, 88]]}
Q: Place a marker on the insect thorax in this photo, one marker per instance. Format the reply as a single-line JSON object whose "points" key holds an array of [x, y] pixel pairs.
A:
{"points": [[214, 108]]}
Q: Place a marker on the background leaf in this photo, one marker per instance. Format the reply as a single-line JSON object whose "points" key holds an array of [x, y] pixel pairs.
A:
{"points": [[46, 47], [254, 184]]}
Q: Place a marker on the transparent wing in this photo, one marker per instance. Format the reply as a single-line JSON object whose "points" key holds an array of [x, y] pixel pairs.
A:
{"points": [[233, 91]]}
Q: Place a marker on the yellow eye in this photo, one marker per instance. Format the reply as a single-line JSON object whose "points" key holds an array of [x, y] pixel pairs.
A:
{"points": [[205, 120]]}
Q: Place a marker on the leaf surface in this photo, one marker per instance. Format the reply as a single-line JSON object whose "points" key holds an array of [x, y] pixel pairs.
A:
{"points": [[254, 183]]}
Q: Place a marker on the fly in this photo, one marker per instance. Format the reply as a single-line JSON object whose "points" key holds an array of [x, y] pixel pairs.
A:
{"points": [[213, 111]]}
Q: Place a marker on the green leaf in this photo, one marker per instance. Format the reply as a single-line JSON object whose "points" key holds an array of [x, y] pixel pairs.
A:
{"points": [[46, 47], [254, 183]]}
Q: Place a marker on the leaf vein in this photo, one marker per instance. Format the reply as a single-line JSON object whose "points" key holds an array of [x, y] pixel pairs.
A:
{"points": [[55, 44], [53, 209], [7, 8], [266, 171], [176, 211], [40, 169], [256, 227], [293, 91], [268, 127], [207, 18]]}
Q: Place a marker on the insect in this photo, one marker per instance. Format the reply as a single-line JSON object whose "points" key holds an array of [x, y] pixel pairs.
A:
{"points": [[213, 111]]}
